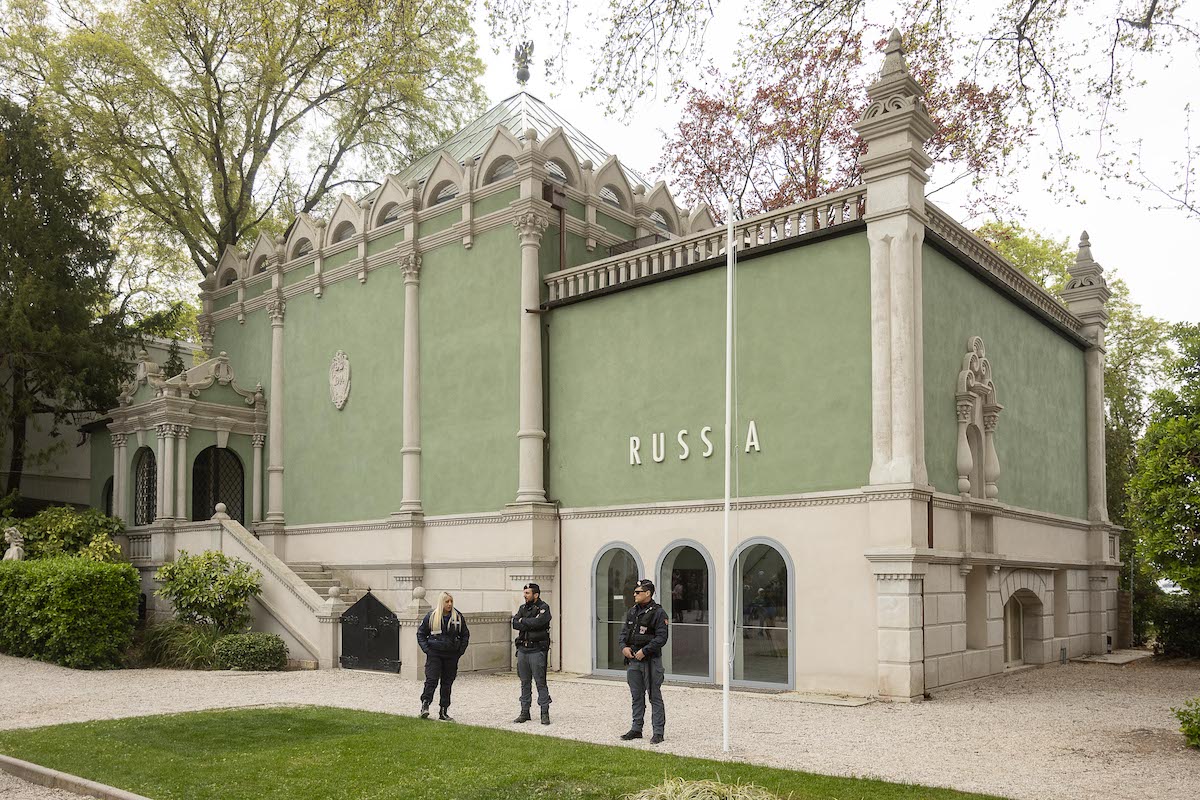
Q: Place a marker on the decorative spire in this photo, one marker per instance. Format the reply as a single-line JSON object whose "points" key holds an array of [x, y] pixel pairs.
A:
{"points": [[521, 58], [893, 62], [1087, 291]]}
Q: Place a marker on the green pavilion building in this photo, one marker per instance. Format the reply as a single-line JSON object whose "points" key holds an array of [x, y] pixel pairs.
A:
{"points": [[506, 364]]}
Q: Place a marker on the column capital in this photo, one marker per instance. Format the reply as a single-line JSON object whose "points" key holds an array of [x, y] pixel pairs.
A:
{"points": [[163, 430], [118, 440], [259, 440], [530, 227], [410, 265], [204, 327], [275, 310]]}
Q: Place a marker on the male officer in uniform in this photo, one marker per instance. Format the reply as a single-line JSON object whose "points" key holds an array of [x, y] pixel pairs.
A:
{"points": [[532, 623], [642, 639]]}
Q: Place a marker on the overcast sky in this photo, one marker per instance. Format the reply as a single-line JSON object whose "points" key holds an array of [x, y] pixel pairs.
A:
{"points": [[1155, 251]]}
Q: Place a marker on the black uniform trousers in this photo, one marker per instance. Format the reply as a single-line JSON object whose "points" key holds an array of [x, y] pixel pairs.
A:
{"points": [[443, 668], [646, 677], [531, 669]]}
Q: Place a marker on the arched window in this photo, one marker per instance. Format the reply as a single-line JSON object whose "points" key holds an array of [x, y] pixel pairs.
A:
{"points": [[302, 248], [502, 168], [660, 221], [217, 477], [145, 487], [106, 497], [447, 191], [229, 278], [762, 622], [683, 590], [343, 231], [391, 213], [615, 576], [556, 172], [260, 265], [610, 195]]}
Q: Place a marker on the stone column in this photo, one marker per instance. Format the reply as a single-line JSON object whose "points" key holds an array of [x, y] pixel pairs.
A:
{"points": [[160, 461], [410, 451], [275, 414], [181, 462], [1086, 294], [119, 479], [901, 649], [895, 128], [256, 479], [166, 489], [531, 434]]}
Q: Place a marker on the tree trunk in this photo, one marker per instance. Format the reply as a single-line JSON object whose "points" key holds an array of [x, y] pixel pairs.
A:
{"points": [[16, 462]]}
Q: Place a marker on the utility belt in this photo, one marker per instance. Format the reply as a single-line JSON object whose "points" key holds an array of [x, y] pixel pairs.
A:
{"points": [[533, 637]]}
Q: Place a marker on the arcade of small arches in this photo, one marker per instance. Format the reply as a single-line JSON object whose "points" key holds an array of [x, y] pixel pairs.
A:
{"points": [[505, 160], [763, 600]]}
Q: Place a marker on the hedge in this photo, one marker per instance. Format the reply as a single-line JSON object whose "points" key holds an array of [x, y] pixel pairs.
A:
{"points": [[1177, 625], [251, 651], [68, 611]]}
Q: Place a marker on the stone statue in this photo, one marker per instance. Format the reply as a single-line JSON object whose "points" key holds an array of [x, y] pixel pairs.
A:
{"points": [[16, 542]]}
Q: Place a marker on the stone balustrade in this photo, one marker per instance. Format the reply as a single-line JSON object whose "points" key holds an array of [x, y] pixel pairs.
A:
{"points": [[757, 231]]}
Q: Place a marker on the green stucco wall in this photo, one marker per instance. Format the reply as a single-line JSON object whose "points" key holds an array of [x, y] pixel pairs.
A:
{"points": [[339, 259], [439, 223], [101, 467], [255, 289], [651, 360], [1041, 440], [577, 252], [221, 303], [344, 465], [297, 274], [496, 201], [615, 227], [469, 348], [385, 242]]}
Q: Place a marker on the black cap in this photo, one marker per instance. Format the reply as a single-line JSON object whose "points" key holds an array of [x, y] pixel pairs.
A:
{"points": [[647, 584], [536, 589]]}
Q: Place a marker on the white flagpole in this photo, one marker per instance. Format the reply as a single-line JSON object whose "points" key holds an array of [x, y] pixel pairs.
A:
{"points": [[730, 260]]}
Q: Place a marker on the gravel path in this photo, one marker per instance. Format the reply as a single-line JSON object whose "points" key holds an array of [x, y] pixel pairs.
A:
{"points": [[1079, 731]]}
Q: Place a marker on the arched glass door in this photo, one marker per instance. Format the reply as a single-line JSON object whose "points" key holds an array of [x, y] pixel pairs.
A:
{"points": [[616, 575], [683, 585], [217, 477], [761, 616]]}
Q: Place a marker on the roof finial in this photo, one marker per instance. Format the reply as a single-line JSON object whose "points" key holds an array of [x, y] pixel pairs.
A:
{"points": [[893, 62], [521, 58]]}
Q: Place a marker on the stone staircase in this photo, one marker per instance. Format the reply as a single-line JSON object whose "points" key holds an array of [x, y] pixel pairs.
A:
{"points": [[320, 578]]}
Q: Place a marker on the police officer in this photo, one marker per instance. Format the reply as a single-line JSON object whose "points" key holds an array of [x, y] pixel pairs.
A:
{"points": [[642, 639], [532, 623]]}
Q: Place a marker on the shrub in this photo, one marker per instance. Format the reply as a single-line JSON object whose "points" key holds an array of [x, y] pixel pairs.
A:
{"points": [[66, 531], [1189, 721], [210, 589], [251, 651], [1177, 622], [68, 611], [183, 645], [680, 789]]}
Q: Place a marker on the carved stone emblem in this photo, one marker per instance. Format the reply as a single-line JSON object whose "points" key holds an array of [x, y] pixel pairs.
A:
{"points": [[339, 380]]}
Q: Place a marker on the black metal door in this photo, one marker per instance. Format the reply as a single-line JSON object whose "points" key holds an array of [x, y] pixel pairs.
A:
{"points": [[370, 636]]}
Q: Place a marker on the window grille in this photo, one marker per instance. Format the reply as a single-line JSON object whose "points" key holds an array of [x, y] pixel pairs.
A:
{"points": [[217, 477], [145, 488], [108, 497]]}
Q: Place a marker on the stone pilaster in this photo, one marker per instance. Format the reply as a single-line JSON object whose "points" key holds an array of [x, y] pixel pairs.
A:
{"points": [[410, 451], [898, 606], [160, 465], [181, 462], [1086, 295], [895, 128], [120, 477], [275, 309], [531, 434], [258, 441], [166, 489]]}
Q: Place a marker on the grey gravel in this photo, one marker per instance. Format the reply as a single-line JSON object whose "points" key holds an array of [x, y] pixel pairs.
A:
{"points": [[1074, 731], [13, 788]]}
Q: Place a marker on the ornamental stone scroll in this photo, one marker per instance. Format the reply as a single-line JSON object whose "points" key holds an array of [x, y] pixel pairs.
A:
{"points": [[976, 407], [339, 380]]}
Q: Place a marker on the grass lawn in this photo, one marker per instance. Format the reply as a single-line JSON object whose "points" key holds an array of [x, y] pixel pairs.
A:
{"points": [[311, 753]]}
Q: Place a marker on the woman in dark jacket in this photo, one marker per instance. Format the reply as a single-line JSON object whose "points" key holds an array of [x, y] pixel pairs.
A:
{"points": [[443, 637]]}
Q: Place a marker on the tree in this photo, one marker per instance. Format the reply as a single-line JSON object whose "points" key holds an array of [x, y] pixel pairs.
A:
{"points": [[783, 130], [1164, 492], [1067, 65], [64, 340], [215, 120]]}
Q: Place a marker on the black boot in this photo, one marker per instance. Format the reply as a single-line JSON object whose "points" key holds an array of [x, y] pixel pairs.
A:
{"points": [[632, 733], [442, 715], [545, 716], [656, 739], [424, 710], [523, 716]]}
